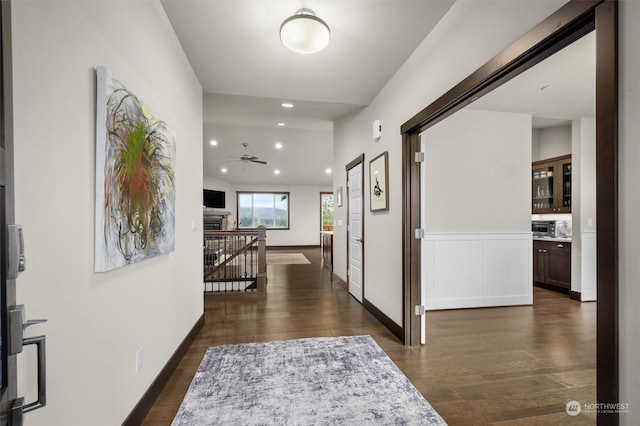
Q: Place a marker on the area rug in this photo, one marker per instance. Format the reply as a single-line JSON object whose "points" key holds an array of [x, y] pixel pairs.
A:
{"points": [[286, 259], [318, 381]]}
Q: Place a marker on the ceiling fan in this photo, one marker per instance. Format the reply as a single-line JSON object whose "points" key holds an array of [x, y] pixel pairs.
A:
{"points": [[248, 158]]}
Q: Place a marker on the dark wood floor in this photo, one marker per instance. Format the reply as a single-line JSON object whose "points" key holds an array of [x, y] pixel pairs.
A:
{"points": [[513, 365]]}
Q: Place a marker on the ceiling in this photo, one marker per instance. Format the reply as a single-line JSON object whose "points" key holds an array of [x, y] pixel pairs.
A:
{"points": [[557, 90], [246, 73]]}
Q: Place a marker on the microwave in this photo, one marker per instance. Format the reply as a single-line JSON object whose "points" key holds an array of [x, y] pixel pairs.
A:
{"points": [[543, 228], [551, 228]]}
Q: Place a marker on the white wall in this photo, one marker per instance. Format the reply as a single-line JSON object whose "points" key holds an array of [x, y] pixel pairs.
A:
{"points": [[477, 190], [583, 208], [629, 232], [551, 142], [304, 210], [450, 53], [477, 176], [476, 270], [304, 214], [97, 322]]}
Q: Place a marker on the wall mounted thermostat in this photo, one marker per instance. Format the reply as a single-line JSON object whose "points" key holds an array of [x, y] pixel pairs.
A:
{"points": [[377, 129]]}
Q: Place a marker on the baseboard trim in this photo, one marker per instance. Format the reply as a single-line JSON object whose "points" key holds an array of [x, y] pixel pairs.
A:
{"points": [[143, 406], [575, 295], [385, 320], [552, 287], [235, 295], [293, 247], [342, 283]]}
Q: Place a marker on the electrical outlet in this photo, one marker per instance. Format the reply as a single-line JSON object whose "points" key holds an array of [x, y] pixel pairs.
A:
{"points": [[139, 360]]}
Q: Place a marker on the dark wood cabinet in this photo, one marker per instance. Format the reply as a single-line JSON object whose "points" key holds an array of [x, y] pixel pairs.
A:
{"points": [[552, 264], [551, 185], [539, 263], [327, 250]]}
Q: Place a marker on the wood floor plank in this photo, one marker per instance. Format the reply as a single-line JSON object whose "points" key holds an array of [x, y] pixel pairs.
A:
{"points": [[502, 366]]}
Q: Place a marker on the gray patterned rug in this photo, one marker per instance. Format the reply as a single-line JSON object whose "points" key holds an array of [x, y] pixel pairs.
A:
{"points": [[319, 381], [286, 259]]}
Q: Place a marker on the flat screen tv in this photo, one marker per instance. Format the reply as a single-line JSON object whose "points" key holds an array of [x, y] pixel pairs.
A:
{"points": [[213, 199]]}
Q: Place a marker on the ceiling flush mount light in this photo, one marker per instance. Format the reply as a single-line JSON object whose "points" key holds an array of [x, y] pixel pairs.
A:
{"points": [[276, 172], [223, 170], [281, 124], [328, 171], [213, 142], [278, 145], [304, 32], [286, 105]]}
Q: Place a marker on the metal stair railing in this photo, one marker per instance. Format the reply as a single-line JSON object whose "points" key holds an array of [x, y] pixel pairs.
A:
{"points": [[235, 261]]}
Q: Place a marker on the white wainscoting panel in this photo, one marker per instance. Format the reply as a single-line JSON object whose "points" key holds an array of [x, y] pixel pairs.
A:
{"points": [[589, 267], [477, 270]]}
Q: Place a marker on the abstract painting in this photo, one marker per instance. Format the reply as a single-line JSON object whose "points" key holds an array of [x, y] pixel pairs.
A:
{"points": [[135, 178]]}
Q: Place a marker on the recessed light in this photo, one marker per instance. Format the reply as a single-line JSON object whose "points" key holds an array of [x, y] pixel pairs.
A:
{"points": [[281, 124], [223, 170], [278, 145], [213, 142], [276, 172], [328, 171], [286, 105]]}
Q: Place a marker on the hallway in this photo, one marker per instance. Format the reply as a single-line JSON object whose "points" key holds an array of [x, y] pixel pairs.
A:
{"points": [[480, 366]]}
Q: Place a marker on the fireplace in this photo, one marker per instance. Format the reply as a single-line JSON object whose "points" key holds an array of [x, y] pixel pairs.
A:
{"points": [[213, 224], [214, 220]]}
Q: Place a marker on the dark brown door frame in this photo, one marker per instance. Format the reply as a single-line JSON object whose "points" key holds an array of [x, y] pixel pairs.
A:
{"points": [[563, 27]]}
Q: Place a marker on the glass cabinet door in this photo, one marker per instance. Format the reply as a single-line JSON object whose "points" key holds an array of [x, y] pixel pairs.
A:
{"points": [[565, 205], [543, 190], [551, 186]]}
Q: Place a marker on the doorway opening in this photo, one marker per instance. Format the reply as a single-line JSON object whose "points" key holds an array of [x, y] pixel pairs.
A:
{"points": [[568, 24]]}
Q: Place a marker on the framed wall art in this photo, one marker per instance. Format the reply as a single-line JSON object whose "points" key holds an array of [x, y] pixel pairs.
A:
{"points": [[379, 182], [135, 181]]}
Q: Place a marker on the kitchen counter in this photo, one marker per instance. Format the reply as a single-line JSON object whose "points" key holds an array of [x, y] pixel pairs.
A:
{"points": [[554, 239]]}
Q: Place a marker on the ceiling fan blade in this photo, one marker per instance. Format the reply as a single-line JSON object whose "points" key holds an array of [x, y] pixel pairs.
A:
{"points": [[255, 160]]}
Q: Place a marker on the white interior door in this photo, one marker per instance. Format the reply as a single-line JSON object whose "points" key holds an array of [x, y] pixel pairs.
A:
{"points": [[356, 203]]}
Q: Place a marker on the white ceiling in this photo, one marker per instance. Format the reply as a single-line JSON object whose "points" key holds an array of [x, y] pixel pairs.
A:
{"points": [[556, 91], [246, 73]]}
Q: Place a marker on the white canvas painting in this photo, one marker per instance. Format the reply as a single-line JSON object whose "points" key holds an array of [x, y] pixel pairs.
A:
{"points": [[135, 181]]}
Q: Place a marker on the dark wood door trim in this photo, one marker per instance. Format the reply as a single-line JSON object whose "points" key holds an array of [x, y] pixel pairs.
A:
{"points": [[562, 28], [608, 369], [354, 162], [411, 248]]}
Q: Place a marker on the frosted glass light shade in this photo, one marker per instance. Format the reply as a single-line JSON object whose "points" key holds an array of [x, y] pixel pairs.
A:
{"points": [[304, 32]]}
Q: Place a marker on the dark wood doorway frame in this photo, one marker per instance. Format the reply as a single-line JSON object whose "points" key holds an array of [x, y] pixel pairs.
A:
{"points": [[562, 28]]}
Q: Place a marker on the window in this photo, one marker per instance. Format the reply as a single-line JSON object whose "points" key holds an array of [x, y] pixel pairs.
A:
{"points": [[326, 210], [270, 209]]}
